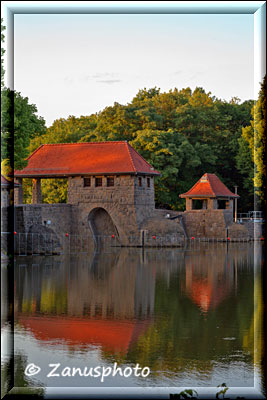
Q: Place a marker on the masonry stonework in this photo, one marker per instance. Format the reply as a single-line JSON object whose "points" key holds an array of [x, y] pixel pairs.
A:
{"points": [[207, 223], [128, 202], [111, 192]]}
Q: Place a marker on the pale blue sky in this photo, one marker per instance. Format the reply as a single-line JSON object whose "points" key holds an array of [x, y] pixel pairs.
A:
{"points": [[79, 64]]}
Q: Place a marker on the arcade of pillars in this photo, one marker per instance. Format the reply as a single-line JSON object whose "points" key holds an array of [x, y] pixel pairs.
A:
{"points": [[36, 191], [209, 203]]}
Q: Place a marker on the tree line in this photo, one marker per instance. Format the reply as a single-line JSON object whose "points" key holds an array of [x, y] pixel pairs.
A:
{"points": [[182, 133]]}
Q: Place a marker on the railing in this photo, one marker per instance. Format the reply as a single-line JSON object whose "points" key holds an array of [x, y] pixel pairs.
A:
{"points": [[50, 244], [255, 216]]}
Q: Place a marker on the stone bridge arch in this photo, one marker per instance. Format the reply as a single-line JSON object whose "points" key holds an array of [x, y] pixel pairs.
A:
{"points": [[101, 223]]}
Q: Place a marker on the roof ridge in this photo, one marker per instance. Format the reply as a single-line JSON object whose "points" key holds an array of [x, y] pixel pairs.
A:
{"points": [[104, 142], [131, 158], [210, 182], [224, 184], [193, 185], [41, 145], [151, 167]]}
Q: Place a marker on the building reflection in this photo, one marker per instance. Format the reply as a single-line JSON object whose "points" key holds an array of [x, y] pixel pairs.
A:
{"points": [[81, 301], [209, 281], [115, 301]]}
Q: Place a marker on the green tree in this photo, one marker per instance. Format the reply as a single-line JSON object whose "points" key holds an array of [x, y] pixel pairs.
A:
{"points": [[259, 125], [175, 157], [20, 124], [70, 130], [182, 133], [254, 139]]}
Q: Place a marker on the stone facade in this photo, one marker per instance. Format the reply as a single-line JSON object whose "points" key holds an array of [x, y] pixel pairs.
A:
{"points": [[59, 215], [238, 232], [128, 203], [122, 206], [207, 223], [50, 221]]}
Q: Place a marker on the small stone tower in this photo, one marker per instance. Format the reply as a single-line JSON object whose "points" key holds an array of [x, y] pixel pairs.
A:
{"points": [[209, 208]]}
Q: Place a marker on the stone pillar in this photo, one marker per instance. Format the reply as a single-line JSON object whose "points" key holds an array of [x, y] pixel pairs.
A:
{"points": [[18, 192], [212, 204], [36, 191], [188, 204]]}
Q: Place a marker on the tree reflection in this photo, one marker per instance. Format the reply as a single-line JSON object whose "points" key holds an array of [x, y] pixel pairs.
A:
{"points": [[172, 310]]}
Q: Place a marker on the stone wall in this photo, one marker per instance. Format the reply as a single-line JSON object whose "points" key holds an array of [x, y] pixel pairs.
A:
{"points": [[237, 232], [33, 232], [60, 215], [127, 211], [255, 229], [207, 223], [217, 224], [5, 197], [161, 231], [127, 203], [5, 209]]}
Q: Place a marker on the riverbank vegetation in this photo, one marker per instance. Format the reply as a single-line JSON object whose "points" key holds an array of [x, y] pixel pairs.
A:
{"points": [[182, 133]]}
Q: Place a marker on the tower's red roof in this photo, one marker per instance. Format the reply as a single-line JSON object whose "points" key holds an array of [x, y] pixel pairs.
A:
{"points": [[95, 158], [209, 185]]}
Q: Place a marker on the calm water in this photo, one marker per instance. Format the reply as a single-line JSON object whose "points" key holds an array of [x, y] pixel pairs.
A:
{"points": [[186, 314]]}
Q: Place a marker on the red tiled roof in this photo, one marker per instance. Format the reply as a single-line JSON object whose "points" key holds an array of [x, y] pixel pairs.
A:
{"points": [[67, 159], [209, 185]]}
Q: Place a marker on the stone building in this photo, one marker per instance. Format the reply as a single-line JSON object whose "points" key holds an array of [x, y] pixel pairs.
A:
{"points": [[111, 195], [209, 193], [110, 192], [209, 210]]}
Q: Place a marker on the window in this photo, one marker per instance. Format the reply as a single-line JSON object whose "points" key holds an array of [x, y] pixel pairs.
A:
{"points": [[221, 204], [148, 182], [86, 182], [110, 181], [198, 204], [98, 182], [139, 181]]}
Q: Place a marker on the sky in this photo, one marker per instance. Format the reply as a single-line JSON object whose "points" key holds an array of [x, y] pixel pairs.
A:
{"points": [[78, 64]]}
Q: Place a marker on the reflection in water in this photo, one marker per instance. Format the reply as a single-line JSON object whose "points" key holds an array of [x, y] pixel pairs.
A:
{"points": [[209, 279], [186, 314]]}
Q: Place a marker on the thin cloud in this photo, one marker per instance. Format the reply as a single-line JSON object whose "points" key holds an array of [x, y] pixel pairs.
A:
{"points": [[104, 75], [177, 72], [109, 81]]}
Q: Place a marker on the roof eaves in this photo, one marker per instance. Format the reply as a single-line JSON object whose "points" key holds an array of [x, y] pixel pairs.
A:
{"points": [[197, 195], [28, 175]]}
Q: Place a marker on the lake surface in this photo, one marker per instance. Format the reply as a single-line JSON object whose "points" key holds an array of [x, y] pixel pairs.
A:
{"points": [[189, 317]]}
